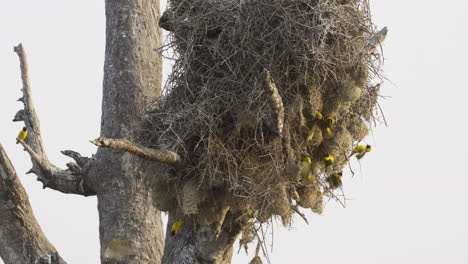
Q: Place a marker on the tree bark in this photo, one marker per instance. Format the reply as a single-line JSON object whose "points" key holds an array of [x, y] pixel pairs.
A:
{"points": [[21, 237], [200, 244], [72, 180], [132, 78]]}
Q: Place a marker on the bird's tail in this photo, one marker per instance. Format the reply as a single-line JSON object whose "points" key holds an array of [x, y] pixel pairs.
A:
{"points": [[328, 132], [311, 133], [361, 155]]}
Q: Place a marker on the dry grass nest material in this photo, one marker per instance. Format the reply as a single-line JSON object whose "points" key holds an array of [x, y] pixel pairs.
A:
{"points": [[242, 142]]}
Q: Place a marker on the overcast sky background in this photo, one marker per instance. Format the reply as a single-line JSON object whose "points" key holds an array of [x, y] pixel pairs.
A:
{"points": [[408, 201]]}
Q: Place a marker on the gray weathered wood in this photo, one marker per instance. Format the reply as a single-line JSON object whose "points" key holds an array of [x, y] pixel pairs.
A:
{"points": [[201, 244], [50, 175], [131, 147], [21, 238], [132, 77]]}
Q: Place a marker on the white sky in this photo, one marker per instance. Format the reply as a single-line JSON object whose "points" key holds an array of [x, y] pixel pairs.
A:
{"points": [[409, 203]]}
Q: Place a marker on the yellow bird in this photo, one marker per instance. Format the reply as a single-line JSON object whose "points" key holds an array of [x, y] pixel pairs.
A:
{"points": [[250, 213], [329, 160], [361, 150], [328, 133], [310, 136], [330, 121], [306, 169], [327, 124], [318, 116], [334, 180], [22, 134], [176, 227], [313, 127]]}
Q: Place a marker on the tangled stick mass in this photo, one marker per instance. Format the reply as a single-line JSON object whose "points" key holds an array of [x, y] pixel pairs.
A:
{"points": [[259, 90]]}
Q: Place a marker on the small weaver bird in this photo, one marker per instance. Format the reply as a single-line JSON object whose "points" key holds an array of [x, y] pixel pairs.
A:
{"points": [[306, 169], [318, 117], [329, 160], [327, 124], [22, 134], [330, 121], [334, 180], [361, 150], [176, 227]]}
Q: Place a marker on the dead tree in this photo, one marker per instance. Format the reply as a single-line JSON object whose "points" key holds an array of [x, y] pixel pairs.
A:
{"points": [[257, 88]]}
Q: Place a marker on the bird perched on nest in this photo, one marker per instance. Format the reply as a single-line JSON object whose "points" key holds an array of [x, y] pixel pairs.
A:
{"points": [[328, 123], [325, 123], [318, 118], [328, 159], [361, 150], [177, 226], [334, 180], [22, 134], [306, 169]]}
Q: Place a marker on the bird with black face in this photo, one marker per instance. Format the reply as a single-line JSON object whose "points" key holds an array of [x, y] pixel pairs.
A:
{"points": [[22, 134], [334, 180], [328, 159], [327, 127], [361, 150]]}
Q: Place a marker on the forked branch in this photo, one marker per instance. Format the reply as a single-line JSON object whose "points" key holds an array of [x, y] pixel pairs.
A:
{"points": [[71, 180]]}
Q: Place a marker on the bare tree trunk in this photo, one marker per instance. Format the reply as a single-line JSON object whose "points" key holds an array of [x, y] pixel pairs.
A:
{"points": [[199, 244], [132, 77], [21, 237]]}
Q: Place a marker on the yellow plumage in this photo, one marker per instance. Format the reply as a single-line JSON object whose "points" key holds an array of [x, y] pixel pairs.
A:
{"points": [[328, 133], [326, 125], [176, 227], [306, 169], [334, 180], [319, 116], [361, 150], [22, 134], [328, 159], [314, 126], [250, 213], [330, 121]]}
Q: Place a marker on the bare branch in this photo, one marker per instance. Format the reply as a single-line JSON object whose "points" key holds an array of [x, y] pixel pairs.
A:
{"points": [[21, 237], [164, 156], [295, 209], [66, 181], [80, 160], [28, 114], [376, 40]]}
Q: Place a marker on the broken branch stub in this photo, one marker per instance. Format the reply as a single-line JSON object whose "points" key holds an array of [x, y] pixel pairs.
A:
{"points": [[164, 156]]}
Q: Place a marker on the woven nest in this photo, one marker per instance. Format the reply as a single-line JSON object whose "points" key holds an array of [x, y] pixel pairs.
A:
{"points": [[240, 104]]}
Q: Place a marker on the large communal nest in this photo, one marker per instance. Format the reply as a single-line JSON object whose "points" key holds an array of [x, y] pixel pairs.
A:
{"points": [[240, 105]]}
